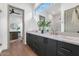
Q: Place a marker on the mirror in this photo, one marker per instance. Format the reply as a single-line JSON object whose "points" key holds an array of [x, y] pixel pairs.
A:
{"points": [[71, 20], [51, 13]]}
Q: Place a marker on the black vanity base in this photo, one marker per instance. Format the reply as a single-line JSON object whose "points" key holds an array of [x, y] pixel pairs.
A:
{"points": [[51, 47]]}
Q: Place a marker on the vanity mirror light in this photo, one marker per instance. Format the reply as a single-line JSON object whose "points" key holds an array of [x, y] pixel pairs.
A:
{"points": [[71, 20]]}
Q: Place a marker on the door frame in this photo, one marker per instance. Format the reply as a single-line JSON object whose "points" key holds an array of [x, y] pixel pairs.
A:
{"points": [[23, 31]]}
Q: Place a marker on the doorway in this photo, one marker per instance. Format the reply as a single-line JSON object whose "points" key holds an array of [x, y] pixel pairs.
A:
{"points": [[15, 24]]}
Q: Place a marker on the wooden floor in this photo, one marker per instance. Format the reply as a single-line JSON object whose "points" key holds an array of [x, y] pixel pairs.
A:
{"points": [[17, 48]]}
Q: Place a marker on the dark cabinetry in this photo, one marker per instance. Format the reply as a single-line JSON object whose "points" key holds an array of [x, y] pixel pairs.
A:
{"points": [[14, 35], [50, 47], [62, 50], [36, 43], [41, 45], [67, 49]]}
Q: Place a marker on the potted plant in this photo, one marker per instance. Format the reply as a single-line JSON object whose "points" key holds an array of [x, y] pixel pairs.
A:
{"points": [[43, 24]]}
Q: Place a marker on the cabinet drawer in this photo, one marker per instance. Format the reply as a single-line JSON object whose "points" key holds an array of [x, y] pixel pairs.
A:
{"points": [[67, 47], [64, 46], [64, 51], [60, 53]]}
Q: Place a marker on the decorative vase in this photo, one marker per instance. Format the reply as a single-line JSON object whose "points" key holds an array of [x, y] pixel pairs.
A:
{"points": [[42, 31]]}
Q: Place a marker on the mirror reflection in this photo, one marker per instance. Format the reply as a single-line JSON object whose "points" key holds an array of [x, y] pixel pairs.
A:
{"points": [[51, 13]]}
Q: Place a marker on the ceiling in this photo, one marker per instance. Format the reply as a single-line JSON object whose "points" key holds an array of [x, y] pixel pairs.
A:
{"points": [[16, 10]]}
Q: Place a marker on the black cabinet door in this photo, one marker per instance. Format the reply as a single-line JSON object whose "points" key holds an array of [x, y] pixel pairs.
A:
{"points": [[71, 47], [51, 48], [62, 50], [39, 45], [67, 49], [28, 39], [36, 43]]}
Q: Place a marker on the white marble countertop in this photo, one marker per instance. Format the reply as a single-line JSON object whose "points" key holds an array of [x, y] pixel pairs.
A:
{"points": [[63, 38], [14, 31]]}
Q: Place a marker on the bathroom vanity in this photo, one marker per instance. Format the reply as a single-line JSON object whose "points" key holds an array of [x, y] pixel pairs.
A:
{"points": [[53, 45], [14, 35]]}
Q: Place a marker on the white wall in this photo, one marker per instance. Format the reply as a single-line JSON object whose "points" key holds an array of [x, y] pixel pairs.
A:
{"points": [[3, 27]]}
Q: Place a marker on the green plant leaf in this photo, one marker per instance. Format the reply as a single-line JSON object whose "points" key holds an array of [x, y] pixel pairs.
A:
{"points": [[43, 24]]}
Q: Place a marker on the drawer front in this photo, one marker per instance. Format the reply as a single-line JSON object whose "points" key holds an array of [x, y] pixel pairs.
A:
{"points": [[64, 51], [60, 53], [67, 48]]}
